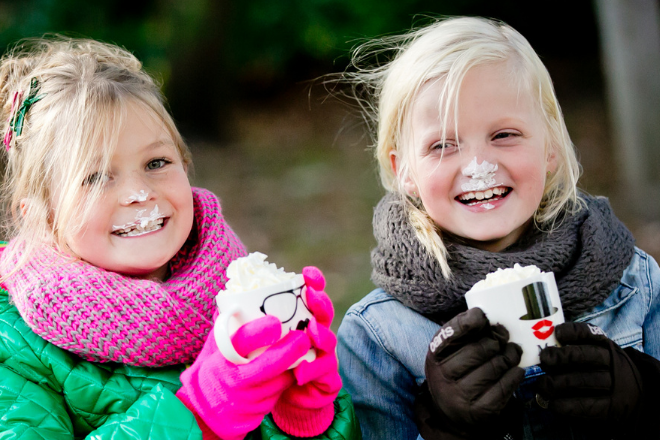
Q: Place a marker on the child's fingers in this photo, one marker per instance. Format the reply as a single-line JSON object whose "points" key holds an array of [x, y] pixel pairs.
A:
{"points": [[320, 305], [575, 358], [580, 333], [314, 277], [470, 357], [278, 357], [500, 333], [309, 395], [330, 383], [317, 300], [321, 337], [261, 332], [495, 398], [269, 392], [310, 371], [466, 327], [496, 380], [493, 371]]}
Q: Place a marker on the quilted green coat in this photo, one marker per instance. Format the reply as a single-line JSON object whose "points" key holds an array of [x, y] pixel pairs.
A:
{"points": [[49, 393]]}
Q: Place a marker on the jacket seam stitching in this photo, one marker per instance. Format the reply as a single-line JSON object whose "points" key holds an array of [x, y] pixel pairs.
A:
{"points": [[363, 307], [633, 291], [377, 337], [649, 279]]}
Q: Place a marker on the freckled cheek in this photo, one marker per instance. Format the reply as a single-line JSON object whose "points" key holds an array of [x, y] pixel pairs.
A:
{"points": [[96, 215], [534, 183], [434, 193], [439, 187], [185, 208], [99, 224]]}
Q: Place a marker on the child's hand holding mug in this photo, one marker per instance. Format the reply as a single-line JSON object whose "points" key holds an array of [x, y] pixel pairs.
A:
{"points": [[286, 300], [232, 399], [264, 312], [526, 302], [257, 339], [256, 289], [471, 373], [312, 397], [591, 377]]}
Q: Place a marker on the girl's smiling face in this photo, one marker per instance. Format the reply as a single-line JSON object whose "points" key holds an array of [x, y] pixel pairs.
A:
{"points": [[498, 124], [145, 213]]}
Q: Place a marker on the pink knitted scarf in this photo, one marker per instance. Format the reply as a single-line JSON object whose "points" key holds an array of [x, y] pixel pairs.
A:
{"points": [[103, 316]]}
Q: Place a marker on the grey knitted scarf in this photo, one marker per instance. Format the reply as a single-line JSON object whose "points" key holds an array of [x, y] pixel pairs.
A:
{"points": [[587, 253]]}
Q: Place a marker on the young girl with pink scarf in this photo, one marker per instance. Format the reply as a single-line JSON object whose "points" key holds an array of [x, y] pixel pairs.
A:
{"points": [[109, 277]]}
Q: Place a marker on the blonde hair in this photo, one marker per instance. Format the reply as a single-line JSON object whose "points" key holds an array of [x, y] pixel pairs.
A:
{"points": [[70, 133], [446, 50]]}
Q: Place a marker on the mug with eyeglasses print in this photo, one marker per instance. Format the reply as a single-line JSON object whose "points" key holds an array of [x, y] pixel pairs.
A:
{"points": [[286, 300]]}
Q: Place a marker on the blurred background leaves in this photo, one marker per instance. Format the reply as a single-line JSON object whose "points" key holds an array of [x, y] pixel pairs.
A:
{"points": [[209, 53]]}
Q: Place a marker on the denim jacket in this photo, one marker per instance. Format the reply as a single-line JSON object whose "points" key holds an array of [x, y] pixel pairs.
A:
{"points": [[383, 344]]}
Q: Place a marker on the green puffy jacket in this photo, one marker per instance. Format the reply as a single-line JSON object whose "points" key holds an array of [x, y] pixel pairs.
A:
{"points": [[49, 393]]}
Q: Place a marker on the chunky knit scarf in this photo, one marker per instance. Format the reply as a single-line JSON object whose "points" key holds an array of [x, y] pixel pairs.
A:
{"points": [[588, 253], [103, 316]]}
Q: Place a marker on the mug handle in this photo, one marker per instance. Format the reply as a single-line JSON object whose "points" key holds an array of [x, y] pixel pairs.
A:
{"points": [[222, 338]]}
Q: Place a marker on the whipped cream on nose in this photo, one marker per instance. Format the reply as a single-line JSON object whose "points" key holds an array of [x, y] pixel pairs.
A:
{"points": [[142, 196], [482, 176]]}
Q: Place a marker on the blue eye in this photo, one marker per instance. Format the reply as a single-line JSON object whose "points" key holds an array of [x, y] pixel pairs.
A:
{"points": [[96, 179], [157, 163]]}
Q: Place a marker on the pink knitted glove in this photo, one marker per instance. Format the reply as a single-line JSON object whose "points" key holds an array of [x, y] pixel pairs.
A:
{"points": [[231, 400], [307, 408]]}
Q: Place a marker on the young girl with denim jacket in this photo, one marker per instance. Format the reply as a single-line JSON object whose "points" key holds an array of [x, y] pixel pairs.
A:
{"points": [[481, 174], [113, 263]]}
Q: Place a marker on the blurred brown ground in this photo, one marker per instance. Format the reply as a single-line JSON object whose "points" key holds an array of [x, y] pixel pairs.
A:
{"points": [[298, 182]]}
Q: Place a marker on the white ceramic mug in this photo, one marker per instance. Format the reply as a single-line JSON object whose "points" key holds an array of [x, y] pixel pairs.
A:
{"points": [[286, 300], [529, 309]]}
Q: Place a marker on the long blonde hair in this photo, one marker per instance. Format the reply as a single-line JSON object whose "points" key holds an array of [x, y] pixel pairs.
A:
{"points": [[445, 50], [68, 134]]}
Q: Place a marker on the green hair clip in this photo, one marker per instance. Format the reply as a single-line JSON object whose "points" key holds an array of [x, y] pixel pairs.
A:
{"points": [[17, 114], [19, 118]]}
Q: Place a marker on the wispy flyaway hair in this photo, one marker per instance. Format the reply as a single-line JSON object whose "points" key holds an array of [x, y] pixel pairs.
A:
{"points": [[70, 133], [387, 74]]}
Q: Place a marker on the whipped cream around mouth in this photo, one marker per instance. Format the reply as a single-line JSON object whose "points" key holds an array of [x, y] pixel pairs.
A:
{"points": [[142, 224], [253, 272], [504, 276], [476, 197], [482, 187]]}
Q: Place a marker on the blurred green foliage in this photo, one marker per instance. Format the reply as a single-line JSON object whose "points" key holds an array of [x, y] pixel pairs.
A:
{"points": [[210, 53], [259, 34]]}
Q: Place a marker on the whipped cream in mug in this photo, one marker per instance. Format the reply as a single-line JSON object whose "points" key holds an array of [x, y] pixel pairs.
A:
{"points": [[508, 275], [526, 301], [256, 288], [253, 272]]}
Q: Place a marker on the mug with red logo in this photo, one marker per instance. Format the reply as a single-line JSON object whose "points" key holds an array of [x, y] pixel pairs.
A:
{"points": [[529, 309]]}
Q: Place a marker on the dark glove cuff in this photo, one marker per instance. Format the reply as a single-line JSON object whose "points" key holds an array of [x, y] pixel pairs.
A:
{"points": [[433, 424], [649, 407]]}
